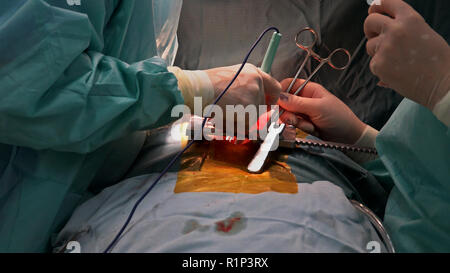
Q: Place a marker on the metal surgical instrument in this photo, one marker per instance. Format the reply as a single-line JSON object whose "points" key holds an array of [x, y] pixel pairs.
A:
{"points": [[178, 155], [330, 60], [276, 129]]}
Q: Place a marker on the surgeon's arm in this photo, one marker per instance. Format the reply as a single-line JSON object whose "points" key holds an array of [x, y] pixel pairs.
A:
{"points": [[57, 94]]}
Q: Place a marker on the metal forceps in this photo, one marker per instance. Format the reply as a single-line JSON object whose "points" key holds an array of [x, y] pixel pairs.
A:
{"points": [[330, 60], [275, 129]]}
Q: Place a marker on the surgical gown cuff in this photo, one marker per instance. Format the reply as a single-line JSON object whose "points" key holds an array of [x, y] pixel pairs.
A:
{"points": [[367, 139], [442, 110], [194, 84]]}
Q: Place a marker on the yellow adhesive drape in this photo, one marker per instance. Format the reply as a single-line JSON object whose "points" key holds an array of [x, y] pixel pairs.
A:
{"points": [[220, 166]]}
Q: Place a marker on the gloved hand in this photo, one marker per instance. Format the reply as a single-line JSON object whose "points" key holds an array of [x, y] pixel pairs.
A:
{"points": [[318, 112], [252, 87], [408, 55]]}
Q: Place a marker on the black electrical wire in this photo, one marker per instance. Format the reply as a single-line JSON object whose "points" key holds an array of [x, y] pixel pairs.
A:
{"points": [[166, 169]]}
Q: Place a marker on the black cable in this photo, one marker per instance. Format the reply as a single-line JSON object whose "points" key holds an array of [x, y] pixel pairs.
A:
{"points": [[166, 169]]}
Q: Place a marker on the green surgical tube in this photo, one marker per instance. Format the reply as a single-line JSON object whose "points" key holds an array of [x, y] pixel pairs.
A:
{"points": [[271, 51]]}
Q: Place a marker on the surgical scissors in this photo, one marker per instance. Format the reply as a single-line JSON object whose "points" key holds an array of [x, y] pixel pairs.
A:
{"points": [[330, 60]]}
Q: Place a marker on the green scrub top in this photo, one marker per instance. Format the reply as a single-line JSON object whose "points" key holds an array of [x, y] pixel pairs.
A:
{"points": [[414, 148], [78, 85]]}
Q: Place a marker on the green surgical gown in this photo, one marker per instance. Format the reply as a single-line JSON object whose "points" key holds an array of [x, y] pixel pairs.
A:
{"points": [[79, 82], [414, 147]]}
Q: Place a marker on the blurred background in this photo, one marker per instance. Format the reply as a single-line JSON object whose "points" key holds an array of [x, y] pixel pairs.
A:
{"points": [[220, 32]]}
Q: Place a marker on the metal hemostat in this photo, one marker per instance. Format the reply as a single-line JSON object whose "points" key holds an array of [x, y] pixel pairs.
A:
{"points": [[261, 156], [279, 134], [287, 139]]}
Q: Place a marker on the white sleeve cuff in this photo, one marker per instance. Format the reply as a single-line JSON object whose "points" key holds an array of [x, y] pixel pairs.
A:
{"points": [[442, 110], [367, 139], [194, 84]]}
